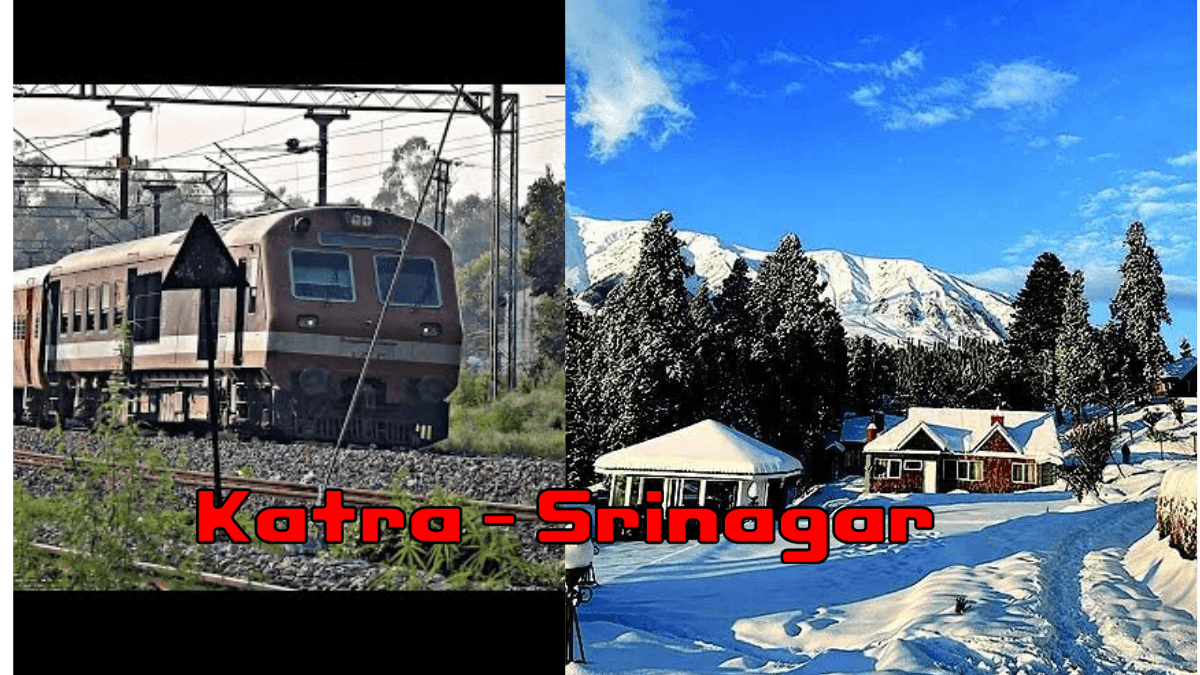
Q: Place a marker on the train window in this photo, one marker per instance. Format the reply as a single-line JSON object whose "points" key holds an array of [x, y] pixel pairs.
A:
{"points": [[65, 323], [19, 328], [118, 305], [321, 275], [104, 304], [91, 308], [77, 310], [417, 285], [144, 306]]}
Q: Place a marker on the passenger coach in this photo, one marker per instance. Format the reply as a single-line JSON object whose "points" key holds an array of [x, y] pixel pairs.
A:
{"points": [[290, 346]]}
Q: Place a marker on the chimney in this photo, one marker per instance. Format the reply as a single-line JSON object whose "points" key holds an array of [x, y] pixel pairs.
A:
{"points": [[998, 419], [872, 431]]}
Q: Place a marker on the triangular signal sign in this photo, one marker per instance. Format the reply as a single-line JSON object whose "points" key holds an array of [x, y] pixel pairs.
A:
{"points": [[203, 261]]}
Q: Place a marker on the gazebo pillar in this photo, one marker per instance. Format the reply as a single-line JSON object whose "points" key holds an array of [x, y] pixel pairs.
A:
{"points": [[703, 491], [628, 487], [641, 490]]}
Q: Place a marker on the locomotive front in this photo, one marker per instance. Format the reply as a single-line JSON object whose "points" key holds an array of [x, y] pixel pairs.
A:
{"points": [[326, 273]]}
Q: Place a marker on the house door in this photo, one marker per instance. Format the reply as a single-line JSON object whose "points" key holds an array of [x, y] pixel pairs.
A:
{"points": [[931, 478]]}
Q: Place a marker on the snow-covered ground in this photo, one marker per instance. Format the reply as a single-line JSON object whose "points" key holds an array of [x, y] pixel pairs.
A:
{"points": [[1054, 586]]}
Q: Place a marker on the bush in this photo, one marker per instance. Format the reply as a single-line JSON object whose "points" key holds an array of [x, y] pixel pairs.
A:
{"points": [[1175, 510], [106, 511], [1090, 445]]}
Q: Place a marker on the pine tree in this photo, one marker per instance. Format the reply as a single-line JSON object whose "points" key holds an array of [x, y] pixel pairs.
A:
{"points": [[736, 333], [1118, 362], [1185, 348], [1140, 307], [800, 358], [646, 346], [1037, 321], [582, 397], [1075, 352]]}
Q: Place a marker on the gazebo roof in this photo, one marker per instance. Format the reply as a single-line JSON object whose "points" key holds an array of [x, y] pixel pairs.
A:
{"points": [[706, 448]]}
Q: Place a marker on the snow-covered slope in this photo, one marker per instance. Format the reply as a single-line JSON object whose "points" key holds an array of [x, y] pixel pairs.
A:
{"points": [[887, 299]]}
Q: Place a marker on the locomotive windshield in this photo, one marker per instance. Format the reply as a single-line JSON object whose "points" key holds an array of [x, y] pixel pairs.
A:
{"points": [[417, 285], [321, 275]]}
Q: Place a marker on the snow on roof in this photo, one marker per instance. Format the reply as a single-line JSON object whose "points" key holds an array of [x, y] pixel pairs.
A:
{"points": [[1179, 369], [854, 429], [705, 448], [961, 431]]}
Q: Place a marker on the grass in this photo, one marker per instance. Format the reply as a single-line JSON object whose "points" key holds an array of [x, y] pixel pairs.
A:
{"points": [[528, 421]]}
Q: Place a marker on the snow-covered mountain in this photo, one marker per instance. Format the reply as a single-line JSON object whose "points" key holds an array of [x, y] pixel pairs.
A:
{"points": [[887, 299]]}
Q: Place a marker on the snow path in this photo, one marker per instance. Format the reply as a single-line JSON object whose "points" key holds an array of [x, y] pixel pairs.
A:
{"points": [[1132, 620], [1077, 645]]}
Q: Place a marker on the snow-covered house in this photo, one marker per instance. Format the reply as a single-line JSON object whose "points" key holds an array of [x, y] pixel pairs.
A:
{"points": [[846, 451], [945, 449], [1177, 378], [706, 464]]}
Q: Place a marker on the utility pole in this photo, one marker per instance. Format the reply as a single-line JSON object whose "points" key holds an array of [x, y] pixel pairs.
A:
{"points": [[323, 120], [125, 161], [157, 189], [441, 180]]}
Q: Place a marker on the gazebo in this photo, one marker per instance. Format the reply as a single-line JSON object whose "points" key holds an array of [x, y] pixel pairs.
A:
{"points": [[707, 464]]}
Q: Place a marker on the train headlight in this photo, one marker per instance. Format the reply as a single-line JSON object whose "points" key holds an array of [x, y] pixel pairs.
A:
{"points": [[306, 321], [356, 220], [300, 226], [431, 330]]}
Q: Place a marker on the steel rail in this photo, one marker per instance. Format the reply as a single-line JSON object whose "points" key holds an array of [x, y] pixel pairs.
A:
{"points": [[304, 491]]}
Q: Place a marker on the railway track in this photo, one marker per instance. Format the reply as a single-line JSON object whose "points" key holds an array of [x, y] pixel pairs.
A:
{"points": [[285, 489]]}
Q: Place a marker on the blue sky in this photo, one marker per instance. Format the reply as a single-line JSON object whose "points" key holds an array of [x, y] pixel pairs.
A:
{"points": [[970, 138]]}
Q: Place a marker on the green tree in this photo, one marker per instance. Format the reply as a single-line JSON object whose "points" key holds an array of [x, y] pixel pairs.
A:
{"points": [[1033, 334], [1140, 307], [1075, 351], [801, 355]]}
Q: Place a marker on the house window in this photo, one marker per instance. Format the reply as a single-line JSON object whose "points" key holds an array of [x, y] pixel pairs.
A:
{"points": [[1021, 473], [912, 465], [970, 469], [893, 468]]}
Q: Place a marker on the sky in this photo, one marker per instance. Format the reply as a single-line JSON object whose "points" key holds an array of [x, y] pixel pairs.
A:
{"points": [[183, 136], [969, 138]]}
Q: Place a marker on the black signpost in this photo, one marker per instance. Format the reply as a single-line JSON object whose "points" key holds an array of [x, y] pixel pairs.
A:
{"points": [[204, 262]]}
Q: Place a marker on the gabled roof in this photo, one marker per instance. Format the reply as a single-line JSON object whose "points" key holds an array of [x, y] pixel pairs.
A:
{"points": [[854, 429], [1178, 369], [962, 431], [705, 448]]}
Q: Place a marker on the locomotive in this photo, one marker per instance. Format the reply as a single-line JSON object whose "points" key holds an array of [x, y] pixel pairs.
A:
{"points": [[290, 345]]}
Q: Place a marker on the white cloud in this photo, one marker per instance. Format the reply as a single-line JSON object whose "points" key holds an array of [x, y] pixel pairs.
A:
{"points": [[1022, 84], [1038, 142], [1183, 160], [1067, 140], [867, 96], [1103, 155], [870, 39], [781, 55], [735, 87], [792, 88], [630, 87], [911, 60], [901, 118]]}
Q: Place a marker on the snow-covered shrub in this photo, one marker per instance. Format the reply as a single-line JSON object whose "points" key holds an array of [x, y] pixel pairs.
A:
{"points": [[1089, 446], [1176, 509]]}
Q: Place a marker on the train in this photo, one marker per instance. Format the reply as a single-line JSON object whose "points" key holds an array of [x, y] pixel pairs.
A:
{"points": [[290, 345]]}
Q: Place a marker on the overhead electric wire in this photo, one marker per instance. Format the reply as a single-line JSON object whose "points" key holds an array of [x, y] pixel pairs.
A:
{"points": [[387, 300]]}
